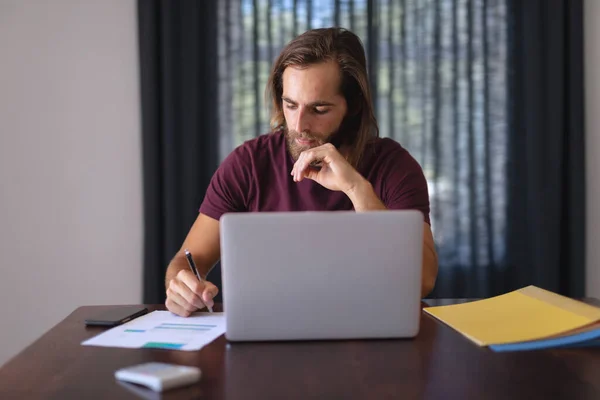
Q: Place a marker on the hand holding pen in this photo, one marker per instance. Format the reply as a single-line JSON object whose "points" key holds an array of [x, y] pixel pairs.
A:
{"points": [[192, 265], [187, 292]]}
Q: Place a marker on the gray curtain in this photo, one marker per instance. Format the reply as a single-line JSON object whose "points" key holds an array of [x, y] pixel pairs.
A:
{"points": [[179, 126]]}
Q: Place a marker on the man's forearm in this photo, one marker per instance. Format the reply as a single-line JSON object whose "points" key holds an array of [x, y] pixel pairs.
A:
{"points": [[364, 198]]}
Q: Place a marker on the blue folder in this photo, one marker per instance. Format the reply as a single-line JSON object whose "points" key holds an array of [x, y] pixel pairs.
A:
{"points": [[585, 339]]}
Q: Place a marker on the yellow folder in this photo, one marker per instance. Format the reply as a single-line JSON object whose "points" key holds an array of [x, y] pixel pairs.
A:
{"points": [[526, 314]]}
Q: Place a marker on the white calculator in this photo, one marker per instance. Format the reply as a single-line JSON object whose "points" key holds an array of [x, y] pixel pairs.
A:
{"points": [[159, 376]]}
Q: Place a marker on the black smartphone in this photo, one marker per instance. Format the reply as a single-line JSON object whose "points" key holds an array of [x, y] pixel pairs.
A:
{"points": [[116, 316]]}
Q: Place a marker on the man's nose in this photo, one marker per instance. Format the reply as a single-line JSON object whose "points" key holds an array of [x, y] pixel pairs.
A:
{"points": [[302, 121]]}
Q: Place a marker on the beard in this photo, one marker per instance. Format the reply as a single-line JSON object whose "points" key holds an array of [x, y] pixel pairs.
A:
{"points": [[316, 140], [296, 148]]}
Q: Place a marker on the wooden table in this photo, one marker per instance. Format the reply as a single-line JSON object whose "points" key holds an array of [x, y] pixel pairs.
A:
{"points": [[438, 364]]}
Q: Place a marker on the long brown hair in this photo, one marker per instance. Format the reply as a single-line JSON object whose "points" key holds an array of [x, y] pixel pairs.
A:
{"points": [[345, 48]]}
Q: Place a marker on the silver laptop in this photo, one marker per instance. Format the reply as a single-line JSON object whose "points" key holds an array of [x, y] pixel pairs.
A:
{"points": [[321, 275]]}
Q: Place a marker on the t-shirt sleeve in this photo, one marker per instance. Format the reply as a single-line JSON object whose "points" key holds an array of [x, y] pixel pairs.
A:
{"points": [[405, 186], [229, 188]]}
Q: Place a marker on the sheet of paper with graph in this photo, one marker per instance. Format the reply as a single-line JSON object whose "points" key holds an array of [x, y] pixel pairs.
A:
{"points": [[164, 330]]}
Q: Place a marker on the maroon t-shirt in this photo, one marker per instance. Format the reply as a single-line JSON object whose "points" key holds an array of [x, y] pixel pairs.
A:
{"points": [[256, 177]]}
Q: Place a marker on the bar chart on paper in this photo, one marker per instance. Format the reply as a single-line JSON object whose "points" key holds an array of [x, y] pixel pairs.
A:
{"points": [[164, 330]]}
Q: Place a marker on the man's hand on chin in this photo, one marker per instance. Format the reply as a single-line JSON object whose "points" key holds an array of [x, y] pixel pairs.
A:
{"points": [[333, 171]]}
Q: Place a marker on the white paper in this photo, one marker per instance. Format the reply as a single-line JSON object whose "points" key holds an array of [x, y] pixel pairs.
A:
{"points": [[165, 330]]}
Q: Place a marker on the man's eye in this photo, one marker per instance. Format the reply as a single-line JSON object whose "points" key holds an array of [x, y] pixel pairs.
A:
{"points": [[290, 106], [321, 110]]}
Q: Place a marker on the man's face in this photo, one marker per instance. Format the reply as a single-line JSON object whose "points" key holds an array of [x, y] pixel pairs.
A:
{"points": [[313, 106]]}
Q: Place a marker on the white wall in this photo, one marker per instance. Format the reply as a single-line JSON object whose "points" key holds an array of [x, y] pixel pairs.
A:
{"points": [[70, 162], [592, 127]]}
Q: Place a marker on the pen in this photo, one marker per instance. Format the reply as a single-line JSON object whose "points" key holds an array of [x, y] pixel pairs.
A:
{"points": [[192, 265]]}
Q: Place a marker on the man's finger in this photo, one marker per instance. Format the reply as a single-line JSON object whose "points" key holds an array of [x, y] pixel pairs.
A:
{"points": [[210, 292], [193, 283], [176, 308], [323, 152], [187, 293], [320, 154], [303, 164], [180, 300], [311, 173]]}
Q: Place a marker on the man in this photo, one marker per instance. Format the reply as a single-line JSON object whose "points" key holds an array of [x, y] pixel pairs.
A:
{"points": [[324, 154]]}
